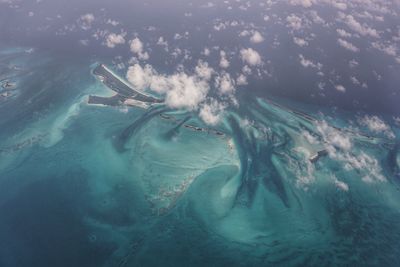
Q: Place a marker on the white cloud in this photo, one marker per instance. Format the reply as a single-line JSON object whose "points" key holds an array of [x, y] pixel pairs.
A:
{"points": [[162, 42], [356, 26], [316, 18], [211, 112], [244, 33], [300, 42], [180, 89], [136, 47], [304, 3], [342, 33], [309, 63], [354, 80], [203, 70], [246, 70], [208, 5], [206, 51], [294, 22], [140, 77], [112, 22], [334, 137], [250, 56], [220, 26], [353, 63], [340, 88], [338, 5], [85, 21], [349, 46], [178, 36], [397, 120], [224, 62], [256, 37], [185, 91], [177, 52], [339, 184], [339, 146], [115, 39], [376, 125], [241, 80], [388, 49], [225, 84], [309, 3]]}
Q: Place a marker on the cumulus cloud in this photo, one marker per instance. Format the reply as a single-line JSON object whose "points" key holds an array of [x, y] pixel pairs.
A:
{"points": [[206, 51], [225, 84], [316, 18], [340, 184], [241, 79], [224, 62], [376, 125], [162, 42], [186, 91], [140, 77], [294, 22], [337, 4], [220, 26], [307, 63], [342, 33], [339, 146], [347, 45], [136, 47], [256, 37], [208, 5], [388, 49], [354, 80], [397, 120], [340, 88], [85, 21], [300, 42], [246, 70], [359, 28], [353, 63], [203, 70], [304, 3], [115, 39], [244, 33], [308, 3], [180, 89], [250, 56], [112, 22], [333, 137], [211, 112]]}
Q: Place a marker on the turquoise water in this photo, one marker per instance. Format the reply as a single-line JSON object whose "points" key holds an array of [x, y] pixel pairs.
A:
{"points": [[88, 185]]}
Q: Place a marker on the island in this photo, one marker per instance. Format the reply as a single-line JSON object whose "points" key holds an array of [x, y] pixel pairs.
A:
{"points": [[125, 93]]}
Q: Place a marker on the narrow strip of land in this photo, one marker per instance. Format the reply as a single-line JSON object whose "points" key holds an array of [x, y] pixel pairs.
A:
{"points": [[124, 90]]}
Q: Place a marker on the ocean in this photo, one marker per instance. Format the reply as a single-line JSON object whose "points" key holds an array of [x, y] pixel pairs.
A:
{"points": [[92, 185]]}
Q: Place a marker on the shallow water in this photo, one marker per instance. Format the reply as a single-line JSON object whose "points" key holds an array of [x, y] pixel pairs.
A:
{"points": [[84, 185]]}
